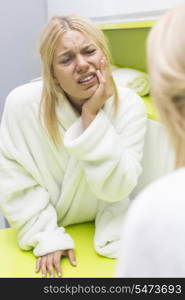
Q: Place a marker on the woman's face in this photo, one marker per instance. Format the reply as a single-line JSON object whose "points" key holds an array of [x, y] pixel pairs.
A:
{"points": [[76, 60]]}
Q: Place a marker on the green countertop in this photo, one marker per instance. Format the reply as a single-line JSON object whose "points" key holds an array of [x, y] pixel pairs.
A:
{"points": [[17, 263]]}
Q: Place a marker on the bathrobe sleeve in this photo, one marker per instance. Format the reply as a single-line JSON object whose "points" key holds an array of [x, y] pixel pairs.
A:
{"points": [[110, 149], [24, 200], [109, 220]]}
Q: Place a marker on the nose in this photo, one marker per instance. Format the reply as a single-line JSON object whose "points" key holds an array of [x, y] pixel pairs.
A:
{"points": [[81, 64]]}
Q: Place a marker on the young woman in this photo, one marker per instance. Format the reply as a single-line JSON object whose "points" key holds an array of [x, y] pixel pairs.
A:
{"points": [[71, 146], [154, 231]]}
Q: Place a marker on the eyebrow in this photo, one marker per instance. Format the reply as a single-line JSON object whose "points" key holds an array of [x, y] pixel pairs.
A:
{"points": [[68, 52]]}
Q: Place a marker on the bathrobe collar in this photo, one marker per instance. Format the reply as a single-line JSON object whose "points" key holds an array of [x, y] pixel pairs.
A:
{"points": [[66, 113]]}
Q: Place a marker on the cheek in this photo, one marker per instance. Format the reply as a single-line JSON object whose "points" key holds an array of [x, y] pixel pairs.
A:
{"points": [[65, 80], [63, 77], [96, 60]]}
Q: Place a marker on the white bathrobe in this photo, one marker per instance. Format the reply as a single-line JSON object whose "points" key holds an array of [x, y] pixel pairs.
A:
{"points": [[153, 243], [90, 177]]}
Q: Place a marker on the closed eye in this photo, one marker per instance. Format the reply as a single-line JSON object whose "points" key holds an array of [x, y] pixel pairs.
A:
{"points": [[68, 59], [90, 51]]}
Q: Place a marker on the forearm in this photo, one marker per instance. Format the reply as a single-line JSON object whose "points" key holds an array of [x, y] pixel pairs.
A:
{"points": [[110, 150], [108, 221], [36, 222], [44, 235], [110, 161], [26, 205], [87, 117]]}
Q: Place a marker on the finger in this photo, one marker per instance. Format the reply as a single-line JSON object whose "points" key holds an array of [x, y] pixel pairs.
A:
{"points": [[72, 258], [43, 266], [100, 77], [103, 64], [37, 268], [106, 77], [49, 265], [56, 262], [103, 67]]}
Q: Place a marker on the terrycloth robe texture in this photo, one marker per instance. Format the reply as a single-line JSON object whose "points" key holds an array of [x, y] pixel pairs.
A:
{"points": [[43, 188], [153, 234]]}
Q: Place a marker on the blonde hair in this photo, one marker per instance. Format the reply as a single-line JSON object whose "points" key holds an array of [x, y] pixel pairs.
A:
{"points": [[166, 64], [56, 27]]}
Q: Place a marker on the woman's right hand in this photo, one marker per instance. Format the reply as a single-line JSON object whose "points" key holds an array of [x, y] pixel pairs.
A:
{"points": [[104, 91], [50, 263]]}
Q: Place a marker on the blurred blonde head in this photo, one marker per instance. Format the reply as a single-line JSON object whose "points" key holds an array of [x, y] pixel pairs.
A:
{"points": [[166, 64], [56, 27]]}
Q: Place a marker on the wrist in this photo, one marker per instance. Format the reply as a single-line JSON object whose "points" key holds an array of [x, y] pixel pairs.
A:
{"points": [[87, 117]]}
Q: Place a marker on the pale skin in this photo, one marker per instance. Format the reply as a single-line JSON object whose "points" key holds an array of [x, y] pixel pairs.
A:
{"points": [[76, 58], [105, 90], [50, 263]]}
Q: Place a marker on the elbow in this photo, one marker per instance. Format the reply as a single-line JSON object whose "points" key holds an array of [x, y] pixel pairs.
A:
{"points": [[118, 190]]}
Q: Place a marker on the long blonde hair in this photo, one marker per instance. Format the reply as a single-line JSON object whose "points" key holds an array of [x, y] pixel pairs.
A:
{"points": [[166, 64], [56, 27]]}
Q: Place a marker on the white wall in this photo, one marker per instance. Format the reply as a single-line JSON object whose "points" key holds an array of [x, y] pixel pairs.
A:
{"points": [[21, 23], [20, 26], [135, 6], [110, 10]]}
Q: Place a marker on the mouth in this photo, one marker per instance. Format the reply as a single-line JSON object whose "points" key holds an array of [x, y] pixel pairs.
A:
{"points": [[88, 80]]}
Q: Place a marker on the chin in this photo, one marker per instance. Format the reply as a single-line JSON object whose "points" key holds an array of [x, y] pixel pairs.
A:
{"points": [[90, 91]]}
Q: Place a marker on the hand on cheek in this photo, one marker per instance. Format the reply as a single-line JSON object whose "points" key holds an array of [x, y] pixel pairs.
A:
{"points": [[100, 96]]}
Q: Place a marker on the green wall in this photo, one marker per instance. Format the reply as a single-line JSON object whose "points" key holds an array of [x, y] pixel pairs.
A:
{"points": [[128, 47]]}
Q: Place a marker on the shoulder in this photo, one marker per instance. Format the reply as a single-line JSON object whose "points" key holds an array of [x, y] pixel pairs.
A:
{"points": [[26, 94], [157, 209], [129, 98], [162, 193], [128, 103], [23, 98], [131, 110]]}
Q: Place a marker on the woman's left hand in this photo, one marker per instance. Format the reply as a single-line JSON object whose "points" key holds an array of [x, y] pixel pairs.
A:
{"points": [[104, 91]]}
